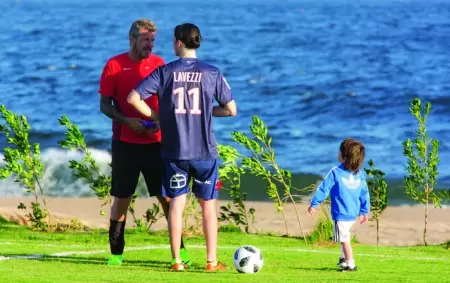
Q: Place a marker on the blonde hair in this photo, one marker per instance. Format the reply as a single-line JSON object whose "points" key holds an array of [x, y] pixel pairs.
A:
{"points": [[137, 25]]}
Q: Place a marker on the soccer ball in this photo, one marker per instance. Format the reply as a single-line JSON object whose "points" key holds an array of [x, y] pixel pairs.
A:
{"points": [[248, 259]]}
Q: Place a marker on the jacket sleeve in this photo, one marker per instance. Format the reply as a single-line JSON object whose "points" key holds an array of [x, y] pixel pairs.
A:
{"points": [[364, 199], [323, 190]]}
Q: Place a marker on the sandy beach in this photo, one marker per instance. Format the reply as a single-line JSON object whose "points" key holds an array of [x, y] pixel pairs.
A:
{"points": [[400, 225]]}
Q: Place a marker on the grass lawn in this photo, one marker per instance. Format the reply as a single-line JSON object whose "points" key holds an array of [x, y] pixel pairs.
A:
{"points": [[81, 257]]}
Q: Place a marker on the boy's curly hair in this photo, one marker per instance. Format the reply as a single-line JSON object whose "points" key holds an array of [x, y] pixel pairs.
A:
{"points": [[353, 153]]}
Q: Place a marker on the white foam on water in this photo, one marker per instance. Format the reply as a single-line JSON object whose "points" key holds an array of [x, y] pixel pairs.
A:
{"points": [[58, 179]]}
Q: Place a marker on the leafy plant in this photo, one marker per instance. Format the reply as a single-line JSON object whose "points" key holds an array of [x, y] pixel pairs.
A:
{"points": [[230, 174], [23, 161], [263, 163], [192, 211], [89, 171], [422, 166], [323, 229], [378, 194], [151, 216]]}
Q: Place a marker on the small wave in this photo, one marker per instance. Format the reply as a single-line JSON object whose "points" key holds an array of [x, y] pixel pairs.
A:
{"points": [[58, 179]]}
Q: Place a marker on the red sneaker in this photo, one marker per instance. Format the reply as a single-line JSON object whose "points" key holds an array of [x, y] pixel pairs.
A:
{"points": [[178, 266], [219, 267]]}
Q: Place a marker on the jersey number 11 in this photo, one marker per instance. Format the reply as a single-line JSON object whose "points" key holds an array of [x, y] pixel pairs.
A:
{"points": [[195, 93]]}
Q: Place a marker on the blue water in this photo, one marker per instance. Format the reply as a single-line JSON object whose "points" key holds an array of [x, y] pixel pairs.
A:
{"points": [[315, 71]]}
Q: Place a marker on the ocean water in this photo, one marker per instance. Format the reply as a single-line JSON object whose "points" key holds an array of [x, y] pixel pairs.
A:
{"points": [[315, 71]]}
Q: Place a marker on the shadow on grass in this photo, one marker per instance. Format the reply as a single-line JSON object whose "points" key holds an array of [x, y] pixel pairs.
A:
{"points": [[153, 264], [102, 261], [161, 265], [316, 269]]}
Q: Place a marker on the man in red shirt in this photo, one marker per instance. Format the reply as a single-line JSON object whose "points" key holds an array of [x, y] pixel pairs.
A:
{"points": [[134, 148]]}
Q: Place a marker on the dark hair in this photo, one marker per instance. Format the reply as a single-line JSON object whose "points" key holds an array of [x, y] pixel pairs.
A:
{"points": [[353, 153], [189, 34]]}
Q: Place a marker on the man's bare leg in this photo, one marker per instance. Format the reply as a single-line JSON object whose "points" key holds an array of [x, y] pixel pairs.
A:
{"points": [[165, 204], [117, 228], [175, 220], [119, 208]]}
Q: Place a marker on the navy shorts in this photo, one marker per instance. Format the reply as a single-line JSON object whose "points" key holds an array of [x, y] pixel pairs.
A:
{"points": [[178, 173]]}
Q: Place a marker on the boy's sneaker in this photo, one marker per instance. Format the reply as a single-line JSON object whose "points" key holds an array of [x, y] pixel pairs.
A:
{"points": [[185, 257], [342, 263], [178, 266], [218, 267], [349, 269], [115, 260]]}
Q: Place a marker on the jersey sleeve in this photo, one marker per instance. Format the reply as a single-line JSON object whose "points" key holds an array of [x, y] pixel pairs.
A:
{"points": [[223, 91], [108, 79], [151, 84]]}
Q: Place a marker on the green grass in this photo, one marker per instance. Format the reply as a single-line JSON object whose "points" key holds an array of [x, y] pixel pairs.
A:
{"points": [[285, 259]]}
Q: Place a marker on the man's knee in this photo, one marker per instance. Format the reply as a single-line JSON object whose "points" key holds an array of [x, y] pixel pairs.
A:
{"points": [[119, 208], [121, 201]]}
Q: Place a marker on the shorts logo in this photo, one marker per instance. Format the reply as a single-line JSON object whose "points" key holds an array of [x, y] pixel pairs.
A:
{"points": [[178, 181], [208, 182]]}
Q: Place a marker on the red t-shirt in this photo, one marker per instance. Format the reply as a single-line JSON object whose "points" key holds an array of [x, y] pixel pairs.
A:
{"points": [[120, 75]]}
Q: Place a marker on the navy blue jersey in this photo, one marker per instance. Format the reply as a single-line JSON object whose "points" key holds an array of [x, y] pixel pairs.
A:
{"points": [[186, 89]]}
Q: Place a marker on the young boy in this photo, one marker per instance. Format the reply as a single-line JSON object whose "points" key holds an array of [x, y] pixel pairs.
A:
{"points": [[349, 197]]}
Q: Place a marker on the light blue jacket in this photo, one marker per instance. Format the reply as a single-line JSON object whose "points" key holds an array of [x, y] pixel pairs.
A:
{"points": [[348, 192]]}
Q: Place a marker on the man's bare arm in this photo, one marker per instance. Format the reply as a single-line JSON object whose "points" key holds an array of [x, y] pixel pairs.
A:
{"points": [[226, 111], [109, 110]]}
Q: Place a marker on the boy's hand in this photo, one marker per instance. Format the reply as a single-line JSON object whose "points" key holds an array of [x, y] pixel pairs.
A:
{"points": [[311, 210], [363, 219]]}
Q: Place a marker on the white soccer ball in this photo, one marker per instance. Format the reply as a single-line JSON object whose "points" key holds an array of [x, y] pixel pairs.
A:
{"points": [[248, 259]]}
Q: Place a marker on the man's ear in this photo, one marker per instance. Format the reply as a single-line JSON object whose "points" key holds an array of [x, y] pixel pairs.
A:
{"points": [[131, 39]]}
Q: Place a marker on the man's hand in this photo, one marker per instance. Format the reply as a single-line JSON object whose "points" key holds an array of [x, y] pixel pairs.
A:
{"points": [[151, 131], [363, 219], [311, 210], [151, 127], [135, 124], [225, 110]]}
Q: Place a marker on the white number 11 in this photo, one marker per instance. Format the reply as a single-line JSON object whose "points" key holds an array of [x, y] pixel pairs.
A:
{"points": [[195, 92]]}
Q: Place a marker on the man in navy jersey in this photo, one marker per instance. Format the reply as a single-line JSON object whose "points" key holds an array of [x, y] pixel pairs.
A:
{"points": [[186, 89]]}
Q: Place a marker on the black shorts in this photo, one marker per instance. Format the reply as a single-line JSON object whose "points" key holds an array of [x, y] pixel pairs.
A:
{"points": [[128, 160]]}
